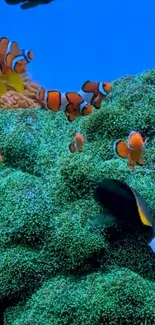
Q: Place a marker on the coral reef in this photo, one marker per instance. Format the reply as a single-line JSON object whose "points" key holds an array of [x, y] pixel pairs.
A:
{"points": [[63, 259], [12, 99]]}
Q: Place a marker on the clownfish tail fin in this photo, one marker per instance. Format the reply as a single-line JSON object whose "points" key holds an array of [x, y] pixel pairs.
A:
{"points": [[121, 149]]}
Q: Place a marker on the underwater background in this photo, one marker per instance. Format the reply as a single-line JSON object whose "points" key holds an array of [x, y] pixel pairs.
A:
{"points": [[64, 260], [74, 41]]}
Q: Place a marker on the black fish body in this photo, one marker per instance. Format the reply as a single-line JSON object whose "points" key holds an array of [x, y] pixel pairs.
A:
{"points": [[27, 4], [123, 202]]}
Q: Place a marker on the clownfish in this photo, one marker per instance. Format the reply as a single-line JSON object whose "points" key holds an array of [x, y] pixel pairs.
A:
{"points": [[12, 58], [71, 103], [132, 149], [13, 63], [95, 92], [125, 204], [77, 143]]}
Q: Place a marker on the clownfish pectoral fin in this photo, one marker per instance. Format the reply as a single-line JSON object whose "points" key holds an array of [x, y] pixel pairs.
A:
{"points": [[3, 88], [85, 108], [121, 148], [97, 101], [72, 147], [14, 80], [140, 162]]}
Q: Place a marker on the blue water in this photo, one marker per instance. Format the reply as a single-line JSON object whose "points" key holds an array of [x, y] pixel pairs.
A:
{"points": [[76, 40]]}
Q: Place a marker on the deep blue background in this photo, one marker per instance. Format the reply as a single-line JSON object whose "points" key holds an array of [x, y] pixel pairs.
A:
{"points": [[76, 40]]}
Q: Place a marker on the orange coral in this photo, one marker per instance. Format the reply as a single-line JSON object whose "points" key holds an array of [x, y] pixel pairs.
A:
{"points": [[13, 99]]}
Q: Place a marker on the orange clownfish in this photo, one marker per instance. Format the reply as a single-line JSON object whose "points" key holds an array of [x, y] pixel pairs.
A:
{"points": [[95, 92], [71, 103], [12, 58], [132, 149], [77, 143]]}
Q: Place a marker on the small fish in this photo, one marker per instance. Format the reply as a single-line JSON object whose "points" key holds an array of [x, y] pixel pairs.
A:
{"points": [[12, 58], [132, 149], [71, 103], [29, 3], [77, 143], [95, 92], [1, 159]]}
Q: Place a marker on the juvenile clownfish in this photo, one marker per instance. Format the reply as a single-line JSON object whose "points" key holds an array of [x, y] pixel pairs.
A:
{"points": [[12, 58], [95, 92], [126, 204], [13, 62], [132, 149], [71, 103], [77, 143]]}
